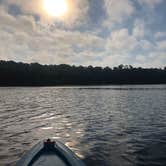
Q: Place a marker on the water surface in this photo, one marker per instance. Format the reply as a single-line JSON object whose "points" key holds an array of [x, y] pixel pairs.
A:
{"points": [[109, 125]]}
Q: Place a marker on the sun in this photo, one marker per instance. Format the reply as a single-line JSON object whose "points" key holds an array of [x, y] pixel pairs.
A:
{"points": [[55, 8]]}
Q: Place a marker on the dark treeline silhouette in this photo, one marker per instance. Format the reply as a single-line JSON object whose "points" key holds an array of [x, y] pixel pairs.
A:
{"points": [[34, 74]]}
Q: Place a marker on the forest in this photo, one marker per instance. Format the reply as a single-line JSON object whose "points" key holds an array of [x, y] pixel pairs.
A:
{"points": [[34, 74]]}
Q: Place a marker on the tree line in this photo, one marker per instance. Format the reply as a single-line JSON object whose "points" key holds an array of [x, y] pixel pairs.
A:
{"points": [[34, 74]]}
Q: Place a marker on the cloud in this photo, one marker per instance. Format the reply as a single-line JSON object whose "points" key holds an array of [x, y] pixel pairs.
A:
{"points": [[29, 41], [118, 11], [161, 45], [153, 59], [146, 45], [121, 41], [160, 35], [21, 23], [122, 48], [150, 3], [77, 13], [76, 41], [139, 29]]}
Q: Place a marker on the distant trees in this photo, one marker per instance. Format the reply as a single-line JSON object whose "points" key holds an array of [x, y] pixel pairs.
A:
{"points": [[34, 74]]}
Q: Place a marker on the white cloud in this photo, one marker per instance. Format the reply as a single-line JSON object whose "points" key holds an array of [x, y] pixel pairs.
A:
{"points": [[153, 59], [121, 41], [118, 11], [28, 41], [115, 59]]}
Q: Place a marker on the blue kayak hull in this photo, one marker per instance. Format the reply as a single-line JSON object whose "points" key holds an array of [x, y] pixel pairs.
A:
{"points": [[50, 154]]}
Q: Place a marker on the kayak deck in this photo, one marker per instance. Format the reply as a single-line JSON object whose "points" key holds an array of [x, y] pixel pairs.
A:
{"points": [[50, 154], [49, 159]]}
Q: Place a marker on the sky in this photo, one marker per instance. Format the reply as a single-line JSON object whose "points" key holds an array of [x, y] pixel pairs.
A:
{"points": [[91, 32]]}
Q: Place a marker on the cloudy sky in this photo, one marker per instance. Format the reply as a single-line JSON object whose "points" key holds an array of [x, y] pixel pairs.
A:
{"points": [[90, 32]]}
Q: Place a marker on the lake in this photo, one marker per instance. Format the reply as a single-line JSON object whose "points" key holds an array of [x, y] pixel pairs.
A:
{"points": [[104, 125]]}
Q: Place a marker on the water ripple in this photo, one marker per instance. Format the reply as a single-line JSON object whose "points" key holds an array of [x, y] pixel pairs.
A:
{"points": [[104, 125]]}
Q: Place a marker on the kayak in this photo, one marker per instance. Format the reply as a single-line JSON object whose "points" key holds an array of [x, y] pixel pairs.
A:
{"points": [[50, 153]]}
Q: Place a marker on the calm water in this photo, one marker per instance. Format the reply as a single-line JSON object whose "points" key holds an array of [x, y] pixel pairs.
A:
{"points": [[113, 125]]}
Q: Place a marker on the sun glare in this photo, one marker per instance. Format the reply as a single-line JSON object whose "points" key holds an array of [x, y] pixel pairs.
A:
{"points": [[55, 8]]}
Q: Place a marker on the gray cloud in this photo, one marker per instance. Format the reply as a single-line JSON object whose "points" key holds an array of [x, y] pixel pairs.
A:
{"points": [[150, 3]]}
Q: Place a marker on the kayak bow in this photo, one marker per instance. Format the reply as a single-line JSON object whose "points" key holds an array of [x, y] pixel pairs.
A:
{"points": [[50, 153]]}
